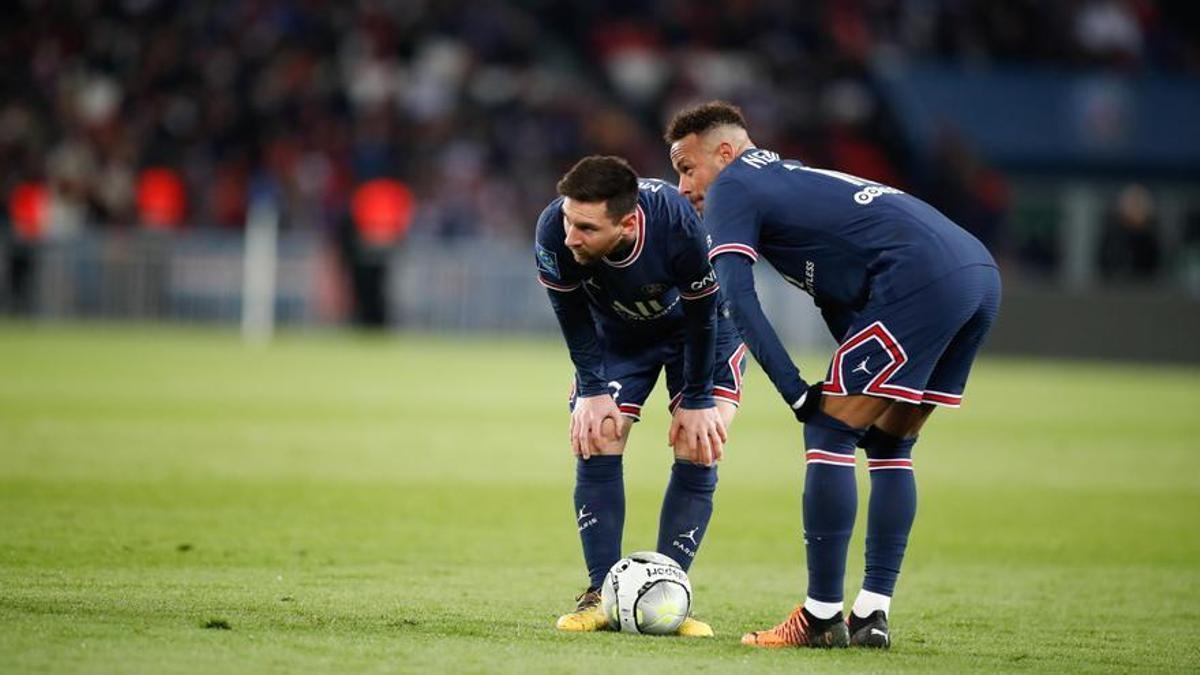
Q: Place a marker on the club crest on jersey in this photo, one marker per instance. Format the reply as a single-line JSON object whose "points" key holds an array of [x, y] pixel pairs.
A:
{"points": [[547, 260], [653, 290]]}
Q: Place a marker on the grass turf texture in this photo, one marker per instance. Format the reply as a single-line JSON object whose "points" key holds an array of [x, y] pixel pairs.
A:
{"points": [[171, 500]]}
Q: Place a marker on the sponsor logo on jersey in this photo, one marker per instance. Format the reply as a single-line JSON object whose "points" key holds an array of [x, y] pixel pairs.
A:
{"points": [[642, 310], [708, 280], [868, 194], [809, 283]]}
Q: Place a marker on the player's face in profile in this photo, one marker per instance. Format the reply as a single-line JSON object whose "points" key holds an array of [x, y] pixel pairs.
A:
{"points": [[697, 166], [590, 233]]}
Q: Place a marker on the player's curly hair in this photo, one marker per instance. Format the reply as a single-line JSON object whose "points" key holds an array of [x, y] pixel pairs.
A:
{"points": [[600, 178], [700, 118]]}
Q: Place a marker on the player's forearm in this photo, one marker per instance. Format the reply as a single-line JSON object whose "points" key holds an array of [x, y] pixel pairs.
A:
{"points": [[737, 282], [699, 351], [575, 321]]}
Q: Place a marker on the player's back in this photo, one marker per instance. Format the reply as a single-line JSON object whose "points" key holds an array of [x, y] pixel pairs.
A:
{"points": [[839, 237]]}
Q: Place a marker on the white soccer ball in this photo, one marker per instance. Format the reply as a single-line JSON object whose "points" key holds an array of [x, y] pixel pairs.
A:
{"points": [[646, 592]]}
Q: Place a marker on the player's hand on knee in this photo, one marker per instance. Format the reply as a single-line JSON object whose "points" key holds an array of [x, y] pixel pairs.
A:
{"points": [[588, 432], [698, 435]]}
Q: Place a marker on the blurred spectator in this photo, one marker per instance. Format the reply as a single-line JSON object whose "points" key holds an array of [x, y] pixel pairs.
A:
{"points": [[477, 105], [971, 193], [1130, 249]]}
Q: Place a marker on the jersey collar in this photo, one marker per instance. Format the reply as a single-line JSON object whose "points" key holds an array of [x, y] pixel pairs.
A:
{"points": [[640, 218]]}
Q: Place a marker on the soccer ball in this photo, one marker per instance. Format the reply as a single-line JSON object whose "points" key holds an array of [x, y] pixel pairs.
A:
{"points": [[646, 592]]}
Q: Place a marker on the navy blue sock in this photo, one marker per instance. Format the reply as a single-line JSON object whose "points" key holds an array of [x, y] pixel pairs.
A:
{"points": [[686, 509], [892, 508], [600, 513], [830, 502]]}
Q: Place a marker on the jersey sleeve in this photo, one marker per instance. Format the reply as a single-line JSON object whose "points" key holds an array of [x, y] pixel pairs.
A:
{"points": [[690, 266], [732, 219], [556, 269], [697, 284], [737, 277]]}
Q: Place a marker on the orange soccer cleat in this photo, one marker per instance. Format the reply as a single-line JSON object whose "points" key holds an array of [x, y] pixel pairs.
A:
{"points": [[802, 629]]}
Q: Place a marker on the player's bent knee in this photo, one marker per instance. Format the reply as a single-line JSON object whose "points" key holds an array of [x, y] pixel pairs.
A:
{"points": [[613, 437]]}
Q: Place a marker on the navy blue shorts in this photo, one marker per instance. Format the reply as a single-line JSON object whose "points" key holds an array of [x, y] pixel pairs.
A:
{"points": [[632, 367], [918, 349]]}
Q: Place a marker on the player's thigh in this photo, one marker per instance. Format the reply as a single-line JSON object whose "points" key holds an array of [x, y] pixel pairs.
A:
{"points": [[904, 420], [948, 381], [632, 368], [727, 411], [856, 410], [893, 348]]}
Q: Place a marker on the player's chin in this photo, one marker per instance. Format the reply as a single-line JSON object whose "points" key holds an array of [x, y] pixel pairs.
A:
{"points": [[699, 205], [582, 258]]}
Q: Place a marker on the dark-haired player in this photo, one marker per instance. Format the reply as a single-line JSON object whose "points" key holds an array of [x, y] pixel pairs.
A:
{"points": [[626, 267], [908, 295]]}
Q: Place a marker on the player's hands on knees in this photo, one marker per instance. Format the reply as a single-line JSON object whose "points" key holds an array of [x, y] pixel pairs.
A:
{"points": [[698, 435], [587, 424]]}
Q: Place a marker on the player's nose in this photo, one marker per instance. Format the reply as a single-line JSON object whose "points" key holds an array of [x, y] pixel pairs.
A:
{"points": [[573, 239]]}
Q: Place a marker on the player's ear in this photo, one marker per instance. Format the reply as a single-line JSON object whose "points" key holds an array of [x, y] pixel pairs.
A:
{"points": [[628, 222], [725, 152]]}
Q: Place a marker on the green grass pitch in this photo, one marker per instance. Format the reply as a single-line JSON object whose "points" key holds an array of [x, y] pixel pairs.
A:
{"points": [[171, 500]]}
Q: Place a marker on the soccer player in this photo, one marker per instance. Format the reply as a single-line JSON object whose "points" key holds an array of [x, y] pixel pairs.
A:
{"points": [[626, 268], [908, 295]]}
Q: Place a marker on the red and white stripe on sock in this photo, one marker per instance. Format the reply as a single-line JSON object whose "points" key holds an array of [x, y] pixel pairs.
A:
{"points": [[816, 456], [901, 463]]}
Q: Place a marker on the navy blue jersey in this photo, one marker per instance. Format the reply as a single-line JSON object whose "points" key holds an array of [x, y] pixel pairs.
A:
{"points": [[844, 240], [838, 237], [662, 288], [642, 291]]}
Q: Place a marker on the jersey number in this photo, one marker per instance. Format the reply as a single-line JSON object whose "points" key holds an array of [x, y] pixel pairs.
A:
{"points": [[870, 189]]}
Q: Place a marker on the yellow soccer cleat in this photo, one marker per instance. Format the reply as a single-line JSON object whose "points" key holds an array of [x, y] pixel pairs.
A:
{"points": [[694, 628], [587, 617]]}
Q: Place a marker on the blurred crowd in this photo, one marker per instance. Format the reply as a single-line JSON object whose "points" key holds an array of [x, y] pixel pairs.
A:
{"points": [[478, 107]]}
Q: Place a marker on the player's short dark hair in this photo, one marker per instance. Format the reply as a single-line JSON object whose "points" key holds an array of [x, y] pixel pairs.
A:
{"points": [[599, 178], [700, 118]]}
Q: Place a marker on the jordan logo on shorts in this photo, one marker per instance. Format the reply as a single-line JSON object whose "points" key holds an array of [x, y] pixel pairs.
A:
{"points": [[862, 366]]}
